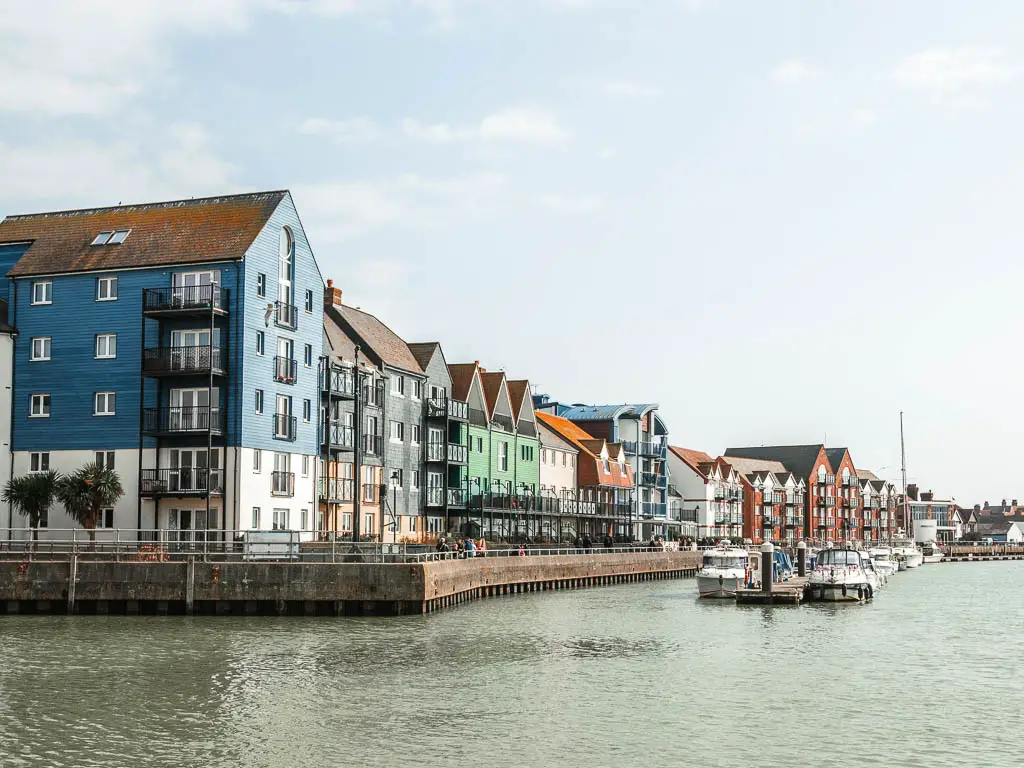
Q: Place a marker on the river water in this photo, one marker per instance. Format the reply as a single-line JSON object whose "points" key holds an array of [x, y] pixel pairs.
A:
{"points": [[639, 674]]}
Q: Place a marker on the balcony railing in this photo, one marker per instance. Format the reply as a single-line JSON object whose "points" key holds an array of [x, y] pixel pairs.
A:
{"points": [[829, 480], [728, 519], [373, 445], [457, 454], [457, 497], [183, 481], [177, 361], [340, 382], [370, 493], [285, 369], [436, 452], [457, 409], [336, 489], [652, 449], [792, 521], [768, 500], [182, 420], [830, 501], [340, 437], [648, 479], [285, 427], [373, 394], [185, 299], [435, 497], [282, 483], [285, 315], [654, 509]]}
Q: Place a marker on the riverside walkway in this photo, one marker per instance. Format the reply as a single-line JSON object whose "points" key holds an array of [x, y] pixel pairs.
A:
{"points": [[130, 580]]}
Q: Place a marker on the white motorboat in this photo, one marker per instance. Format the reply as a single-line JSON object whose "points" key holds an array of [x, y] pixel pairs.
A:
{"points": [[908, 552], [884, 560], [724, 570], [842, 575], [931, 553]]}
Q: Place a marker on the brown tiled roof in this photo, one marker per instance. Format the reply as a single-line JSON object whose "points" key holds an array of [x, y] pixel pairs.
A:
{"points": [[748, 466], [375, 338], [694, 459], [462, 379], [423, 351], [517, 391], [567, 430], [491, 381], [178, 232]]}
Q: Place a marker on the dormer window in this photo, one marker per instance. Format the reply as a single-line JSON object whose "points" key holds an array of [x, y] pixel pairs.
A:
{"points": [[111, 237]]}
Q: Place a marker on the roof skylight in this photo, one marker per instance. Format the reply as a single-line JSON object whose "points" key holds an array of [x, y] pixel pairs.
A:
{"points": [[111, 237]]}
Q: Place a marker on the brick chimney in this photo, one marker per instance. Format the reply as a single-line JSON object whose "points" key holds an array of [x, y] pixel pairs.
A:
{"points": [[332, 295], [1004, 502], [912, 491], [927, 496]]}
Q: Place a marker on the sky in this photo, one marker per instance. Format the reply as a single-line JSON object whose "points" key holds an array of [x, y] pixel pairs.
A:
{"points": [[784, 221]]}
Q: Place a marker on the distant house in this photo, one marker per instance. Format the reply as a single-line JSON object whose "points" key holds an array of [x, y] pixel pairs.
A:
{"points": [[1002, 531]]}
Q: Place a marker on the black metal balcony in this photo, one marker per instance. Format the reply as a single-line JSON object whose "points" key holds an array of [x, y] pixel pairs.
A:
{"points": [[629, 446], [456, 497], [830, 501], [181, 482], [652, 449], [285, 427], [435, 453], [184, 300], [183, 361], [649, 479], [338, 437], [435, 497], [457, 454], [286, 315], [285, 369], [339, 383], [436, 407], [373, 394], [184, 420], [282, 483], [336, 489], [373, 445]]}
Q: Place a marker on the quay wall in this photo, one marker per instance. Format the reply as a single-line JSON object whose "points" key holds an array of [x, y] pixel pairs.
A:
{"points": [[257, 588]]}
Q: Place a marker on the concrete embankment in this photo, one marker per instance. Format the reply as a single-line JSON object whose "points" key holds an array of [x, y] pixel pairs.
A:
{"points": [[75, 585]]}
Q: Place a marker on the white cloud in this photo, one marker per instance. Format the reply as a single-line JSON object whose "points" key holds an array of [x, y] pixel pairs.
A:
{"points": [[353, 130], [570, 204], [72, 57], [339, 211], [438, 132], [947, 72], [525, 124], [629, 89], [180, 163], [796, 72], [606, 153]]}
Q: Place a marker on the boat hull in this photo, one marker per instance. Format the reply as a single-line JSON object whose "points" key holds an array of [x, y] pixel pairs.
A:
{"points": [[835, 593], [932, 558], [717, 587]]}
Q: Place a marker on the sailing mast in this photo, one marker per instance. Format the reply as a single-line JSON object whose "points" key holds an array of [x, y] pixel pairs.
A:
{"points": [[903, 462]]}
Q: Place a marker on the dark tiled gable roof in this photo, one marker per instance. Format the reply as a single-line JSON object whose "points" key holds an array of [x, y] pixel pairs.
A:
{"points": [[179, 232], [516, 392], [462, 379], [376, 338], [423, 351], [491, 381], [835, 457], [798, 459]]}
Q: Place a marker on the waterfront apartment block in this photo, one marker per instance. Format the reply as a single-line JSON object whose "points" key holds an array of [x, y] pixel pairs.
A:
{"points": [[713, 487], [596, 497], [642, 433], [503, 477], [176, 342]]}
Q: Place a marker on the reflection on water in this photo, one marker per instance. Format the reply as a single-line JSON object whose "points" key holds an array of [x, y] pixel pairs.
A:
{"points": [[625, 675]]}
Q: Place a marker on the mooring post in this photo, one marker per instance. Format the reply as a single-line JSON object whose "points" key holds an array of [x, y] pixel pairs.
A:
{"points": [[767, 561], [190, 586], [72, 578], [801, 559]]}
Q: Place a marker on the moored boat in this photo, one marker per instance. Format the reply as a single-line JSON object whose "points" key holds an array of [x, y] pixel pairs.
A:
{"points": [[884, 561], [724, 570], [842, 575], [931, 552]]}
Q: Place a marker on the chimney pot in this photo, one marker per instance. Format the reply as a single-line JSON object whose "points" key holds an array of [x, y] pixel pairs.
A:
{"points": [[332, 295], [330, 283]]}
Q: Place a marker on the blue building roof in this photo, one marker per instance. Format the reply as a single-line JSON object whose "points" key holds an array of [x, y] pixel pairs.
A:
{"points": [[605, 412]]}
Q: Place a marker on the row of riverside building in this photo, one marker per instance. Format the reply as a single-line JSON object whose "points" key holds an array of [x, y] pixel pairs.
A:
{"points": [[196, 348]]}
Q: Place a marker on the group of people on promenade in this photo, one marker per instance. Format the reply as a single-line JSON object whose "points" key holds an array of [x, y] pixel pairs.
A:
{"points": [[463, 547]]}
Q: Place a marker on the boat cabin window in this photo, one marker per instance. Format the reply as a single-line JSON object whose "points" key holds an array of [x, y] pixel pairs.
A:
{"points": [[724, 561], [838, 557]]}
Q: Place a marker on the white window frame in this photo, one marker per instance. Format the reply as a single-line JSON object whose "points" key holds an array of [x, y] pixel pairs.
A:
{"points": [[303, 519], [47, 289], [258, 402], [308, 356], [105, 519], [397, 385], [309, 301], [305, 465], [307, 410], [110, 283], [107, 355], [261, 343], [45, 348], [415, 434], [417, 389], [106, 459], [281, 519], [416, 480], [257, 460], [401, 431], [32, 405], [37, 460], [256, 518], [502, 456], [109, 398], [261, 287]]}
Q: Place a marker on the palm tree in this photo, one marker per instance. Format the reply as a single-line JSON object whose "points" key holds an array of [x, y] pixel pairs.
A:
{"points": [[88, 490], [32, 495]]}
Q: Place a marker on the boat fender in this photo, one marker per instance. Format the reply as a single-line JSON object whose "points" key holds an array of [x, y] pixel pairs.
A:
{"points": [[860, 593], [871, 592], [844, 590]]}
